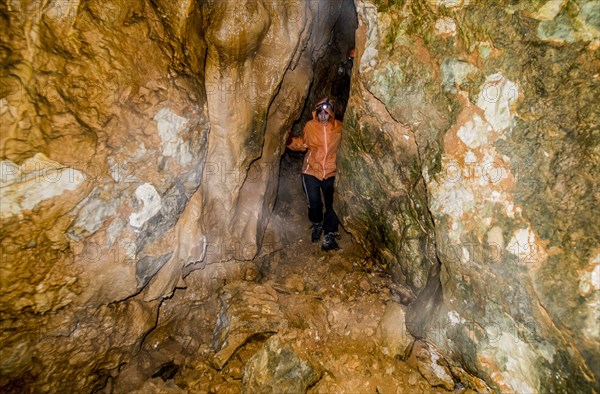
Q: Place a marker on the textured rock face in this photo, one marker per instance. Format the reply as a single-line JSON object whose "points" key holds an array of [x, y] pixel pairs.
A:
{"points": [[246, 311], [277, 368], [396, 341], [475, 122], [132, 132], [432, 366]]}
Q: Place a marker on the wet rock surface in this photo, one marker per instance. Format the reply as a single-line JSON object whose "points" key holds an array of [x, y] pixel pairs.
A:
{"points": [[465, 168]]}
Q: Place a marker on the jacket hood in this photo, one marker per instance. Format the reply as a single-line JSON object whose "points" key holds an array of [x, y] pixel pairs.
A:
{"points": [[328, 109]]}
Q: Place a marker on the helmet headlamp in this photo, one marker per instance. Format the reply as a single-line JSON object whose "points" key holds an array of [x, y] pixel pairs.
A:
{"points": [[322, 106]]}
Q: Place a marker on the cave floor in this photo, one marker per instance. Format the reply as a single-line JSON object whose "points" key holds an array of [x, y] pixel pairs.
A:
{"points": [[329, 306]]}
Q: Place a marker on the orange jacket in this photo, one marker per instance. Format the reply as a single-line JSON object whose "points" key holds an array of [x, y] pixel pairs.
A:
{"points": [[322, 142]]}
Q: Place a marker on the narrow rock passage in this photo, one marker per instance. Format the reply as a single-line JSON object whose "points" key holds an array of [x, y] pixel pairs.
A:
{"points": [[329, 319]]}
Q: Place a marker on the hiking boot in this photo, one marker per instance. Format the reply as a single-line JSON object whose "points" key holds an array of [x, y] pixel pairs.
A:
{"points": [[329, 243], [316, 233]]}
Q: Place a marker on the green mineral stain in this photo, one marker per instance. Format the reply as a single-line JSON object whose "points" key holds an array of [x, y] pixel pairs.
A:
{"points": [[590, 13], [384, 6], [578, 21], [550, 148], [484, 49], [558, 29]]}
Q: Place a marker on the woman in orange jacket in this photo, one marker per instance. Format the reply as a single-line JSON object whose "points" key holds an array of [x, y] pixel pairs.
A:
{"points": [[320, 138]]}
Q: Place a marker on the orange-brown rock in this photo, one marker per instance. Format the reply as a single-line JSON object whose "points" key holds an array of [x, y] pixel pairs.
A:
{"points": [[139, 143]]}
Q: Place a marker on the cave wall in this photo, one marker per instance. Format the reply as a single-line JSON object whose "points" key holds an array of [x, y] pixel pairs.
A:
{"points": [[469, 166], [132, 132]]}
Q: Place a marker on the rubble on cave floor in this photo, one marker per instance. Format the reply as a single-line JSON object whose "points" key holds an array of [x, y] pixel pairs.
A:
{"points": [[327, 307], [323, 321]]}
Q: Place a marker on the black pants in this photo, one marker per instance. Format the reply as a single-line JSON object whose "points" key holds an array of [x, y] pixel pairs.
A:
{"points": [[312, 188]]}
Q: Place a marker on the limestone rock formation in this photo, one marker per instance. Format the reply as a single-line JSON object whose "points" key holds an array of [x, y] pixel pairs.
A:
{"points": [[277, 368], [139, 142], [246, 310], [396, 340], [139, 152], [432, 365], [471, 154]]}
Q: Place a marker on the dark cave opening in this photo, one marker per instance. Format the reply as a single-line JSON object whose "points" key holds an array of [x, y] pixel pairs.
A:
{"points": [[333, 71]]}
